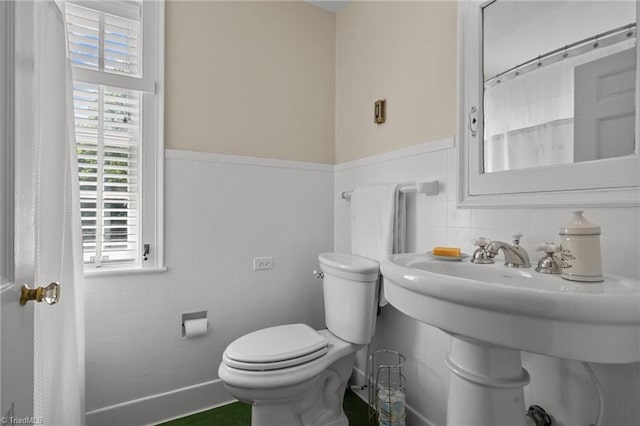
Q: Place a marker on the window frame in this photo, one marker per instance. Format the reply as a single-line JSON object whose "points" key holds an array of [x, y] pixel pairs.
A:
{"points": [[151, 146]]}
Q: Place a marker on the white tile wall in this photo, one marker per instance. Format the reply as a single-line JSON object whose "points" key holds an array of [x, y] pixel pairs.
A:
{"points": [[562, 387], [221, 211]]}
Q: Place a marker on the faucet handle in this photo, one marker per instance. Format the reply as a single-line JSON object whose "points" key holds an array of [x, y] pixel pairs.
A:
{"points": [[516, 238], [549, 264], [481, 255], [480, 242], [548, 248]]}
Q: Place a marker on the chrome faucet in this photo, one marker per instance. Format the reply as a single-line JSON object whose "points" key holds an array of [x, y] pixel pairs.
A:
{"points": [[515, 256]]}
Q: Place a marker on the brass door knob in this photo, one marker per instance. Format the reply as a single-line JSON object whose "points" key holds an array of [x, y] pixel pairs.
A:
{"points": [[50, 294]]}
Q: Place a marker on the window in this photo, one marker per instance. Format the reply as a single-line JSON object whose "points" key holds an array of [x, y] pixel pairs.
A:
{"points": [[115, 50]]}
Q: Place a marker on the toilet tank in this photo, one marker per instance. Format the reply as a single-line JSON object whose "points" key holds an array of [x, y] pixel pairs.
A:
{"points": [[350, 287]]}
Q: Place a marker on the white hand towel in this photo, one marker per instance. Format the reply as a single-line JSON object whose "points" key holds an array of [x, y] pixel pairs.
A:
{"points": [[377, 222]]}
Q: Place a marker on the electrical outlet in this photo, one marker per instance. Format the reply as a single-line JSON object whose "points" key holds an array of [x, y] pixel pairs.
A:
{"points": [[260, 263]]}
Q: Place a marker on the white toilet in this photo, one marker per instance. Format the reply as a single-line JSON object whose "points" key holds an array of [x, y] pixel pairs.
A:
{"points": [[294, 375]]}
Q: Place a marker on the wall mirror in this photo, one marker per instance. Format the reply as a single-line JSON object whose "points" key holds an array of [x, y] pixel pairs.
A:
{"points": [[547, 108]]}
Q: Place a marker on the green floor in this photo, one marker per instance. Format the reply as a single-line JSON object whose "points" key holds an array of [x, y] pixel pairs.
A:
{"points": [[239, 414]]}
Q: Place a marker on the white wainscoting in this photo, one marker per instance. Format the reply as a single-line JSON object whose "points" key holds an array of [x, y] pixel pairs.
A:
{"points": [[221, 211], [562, 387]]}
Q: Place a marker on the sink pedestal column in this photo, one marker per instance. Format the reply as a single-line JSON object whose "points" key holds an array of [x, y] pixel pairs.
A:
{"points": [[485, 384]]}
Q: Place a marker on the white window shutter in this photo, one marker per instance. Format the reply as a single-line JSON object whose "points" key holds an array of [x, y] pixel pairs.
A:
{"points": [[108, 130], [103, 42]]}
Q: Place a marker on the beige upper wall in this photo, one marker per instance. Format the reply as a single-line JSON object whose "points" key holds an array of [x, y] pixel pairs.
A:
{"points": [[250, 78], [404, 52], [291, 81]]}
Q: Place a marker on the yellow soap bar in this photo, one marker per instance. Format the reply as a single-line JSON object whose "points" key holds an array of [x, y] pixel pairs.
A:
{"points": [[446, 251]]}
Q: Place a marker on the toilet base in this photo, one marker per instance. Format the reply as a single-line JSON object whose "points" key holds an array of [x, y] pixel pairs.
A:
{"points": [[315, 402]]}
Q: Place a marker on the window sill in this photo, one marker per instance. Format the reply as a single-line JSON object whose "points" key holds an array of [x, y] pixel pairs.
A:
{"points": [[107, 272]]}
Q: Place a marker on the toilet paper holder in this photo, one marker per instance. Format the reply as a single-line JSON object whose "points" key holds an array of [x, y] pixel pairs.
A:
{"points": [[190, 317]]}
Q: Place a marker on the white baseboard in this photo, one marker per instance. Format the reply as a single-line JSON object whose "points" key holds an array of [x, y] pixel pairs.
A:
{"points": [[414, 418], [183, 402], [162, 407]]}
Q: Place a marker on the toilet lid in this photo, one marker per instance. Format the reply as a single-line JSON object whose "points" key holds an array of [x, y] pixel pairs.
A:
{"points": [[276, 347]]}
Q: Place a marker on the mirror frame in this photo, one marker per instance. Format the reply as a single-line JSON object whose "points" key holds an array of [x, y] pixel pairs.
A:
{"points": [[610, 182]]}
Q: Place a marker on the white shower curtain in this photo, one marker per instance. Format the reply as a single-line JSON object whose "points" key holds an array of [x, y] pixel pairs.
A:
{"points": [[59, 329], [529, 119]]}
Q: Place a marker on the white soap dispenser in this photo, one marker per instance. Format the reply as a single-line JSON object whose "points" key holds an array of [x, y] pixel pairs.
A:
{"points": [[580, 254]]}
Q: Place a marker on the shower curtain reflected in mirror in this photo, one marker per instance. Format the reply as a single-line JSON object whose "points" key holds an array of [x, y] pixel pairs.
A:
{"points": [[529, 119]]}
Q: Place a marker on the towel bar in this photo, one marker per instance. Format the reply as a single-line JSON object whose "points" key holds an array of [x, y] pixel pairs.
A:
{"points": [[428, 188]]}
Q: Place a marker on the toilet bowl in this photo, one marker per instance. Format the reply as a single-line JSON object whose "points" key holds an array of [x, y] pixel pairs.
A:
{"points": [[309, 392], [294, 375]]}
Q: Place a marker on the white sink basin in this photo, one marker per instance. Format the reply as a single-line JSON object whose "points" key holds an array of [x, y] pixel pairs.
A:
{"points": [[493, 312], [519, 308]]}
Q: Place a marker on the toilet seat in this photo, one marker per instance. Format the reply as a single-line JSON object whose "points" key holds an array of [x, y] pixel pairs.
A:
{"points": [[275, 348]]}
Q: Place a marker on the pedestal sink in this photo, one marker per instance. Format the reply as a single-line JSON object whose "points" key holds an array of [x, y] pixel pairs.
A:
{"points": [[493, 312]]}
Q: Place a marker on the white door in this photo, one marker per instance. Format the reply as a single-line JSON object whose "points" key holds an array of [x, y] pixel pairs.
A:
{"points": [[604, 124], [16, 347], [39, 221], [17, 248]]}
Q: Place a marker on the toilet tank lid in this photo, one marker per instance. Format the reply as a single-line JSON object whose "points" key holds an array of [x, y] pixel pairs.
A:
{"points": [[276, 344], [349, 263]]}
